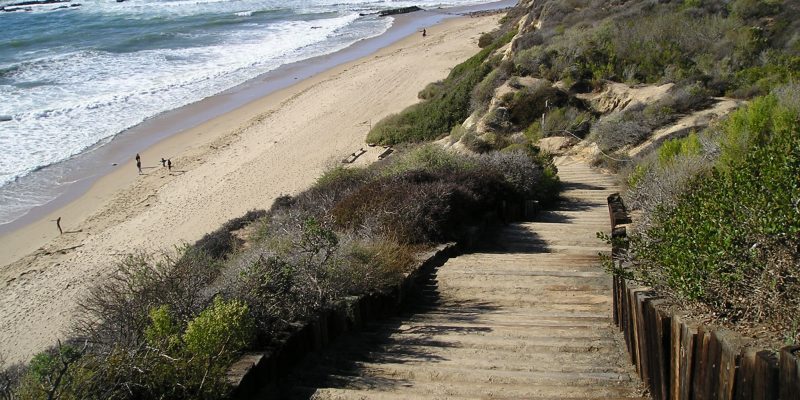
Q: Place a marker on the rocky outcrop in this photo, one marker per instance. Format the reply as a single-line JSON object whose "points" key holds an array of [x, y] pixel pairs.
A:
{"points": [[619, 96]]}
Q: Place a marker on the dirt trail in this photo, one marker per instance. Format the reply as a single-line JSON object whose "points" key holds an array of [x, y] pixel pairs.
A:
{"points": [[527, 317]]}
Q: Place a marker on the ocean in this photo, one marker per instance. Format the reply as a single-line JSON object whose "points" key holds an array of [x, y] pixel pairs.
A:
{"points": [[74, 75]]}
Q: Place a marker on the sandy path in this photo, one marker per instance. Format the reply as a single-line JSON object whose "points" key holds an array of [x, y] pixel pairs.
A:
{"points": [[276, 145], [529, 317]]}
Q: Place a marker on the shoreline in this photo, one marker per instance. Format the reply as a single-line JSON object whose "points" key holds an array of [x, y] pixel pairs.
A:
{"points": [[82, 171], [243, 159]]}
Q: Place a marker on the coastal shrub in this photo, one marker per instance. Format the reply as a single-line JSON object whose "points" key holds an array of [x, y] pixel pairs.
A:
{"points": [[633, 125], [116, 311], [731, 239], [476, 144], [289, 284], [673, 148], [487, 39], [431, 194], [221, 242], [182, 359], [422, 206], [483, 92], [376, 264], [219, 332], [561, 121], [10, 377], [615, 131], [528, 104], [218, 243], [711, 42], [431, 90], [750, 126], [533, 61], [749, 9], [249, 217], [446, 106], [429, 157]]}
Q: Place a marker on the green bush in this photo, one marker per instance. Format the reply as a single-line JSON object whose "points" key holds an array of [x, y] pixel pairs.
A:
{"points": [[117, 311], [528, 104], [430, 157], [561, 121], [487, 39], [219, 332], [483, 92], [732, 239], [445, 106], [688, 146]]}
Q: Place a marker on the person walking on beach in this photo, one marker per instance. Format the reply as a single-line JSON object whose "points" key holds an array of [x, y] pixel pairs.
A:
{"points": [[424, 33], [169, 164], [163, 162], [139, 164]]}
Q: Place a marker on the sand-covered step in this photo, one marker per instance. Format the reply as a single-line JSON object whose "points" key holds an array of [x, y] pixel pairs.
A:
{"points": [[590, 359], [548, 239], [522, 260], [482, 340], [484, 360], [501, 272], [499, 321], [532, 371], [480, 328], [523, 277], [555, 248], [391, 389], [347, 394], [528, 295], [470, 376], [451, 311]]}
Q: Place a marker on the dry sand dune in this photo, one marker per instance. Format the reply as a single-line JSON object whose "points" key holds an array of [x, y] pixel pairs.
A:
{"points": [[237, 162]]}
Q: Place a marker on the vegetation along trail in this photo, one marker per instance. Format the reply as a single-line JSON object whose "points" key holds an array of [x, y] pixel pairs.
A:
{"points": [[526, 317]]}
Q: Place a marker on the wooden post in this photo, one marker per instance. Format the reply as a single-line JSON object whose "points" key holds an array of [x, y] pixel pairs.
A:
{"points": [[688, 359], [663, 319], [789, 377], [730, 345], [746, 375], [765, 378]]}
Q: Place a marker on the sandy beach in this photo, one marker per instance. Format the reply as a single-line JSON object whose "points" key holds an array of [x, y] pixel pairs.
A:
{"points": [[240, 161]]}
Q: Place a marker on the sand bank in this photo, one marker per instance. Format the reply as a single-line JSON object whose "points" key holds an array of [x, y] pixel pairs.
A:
{"points": [[242, 160]]}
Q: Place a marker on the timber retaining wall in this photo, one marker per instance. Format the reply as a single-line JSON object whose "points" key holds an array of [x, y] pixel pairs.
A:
{"points": [[681, 360]]}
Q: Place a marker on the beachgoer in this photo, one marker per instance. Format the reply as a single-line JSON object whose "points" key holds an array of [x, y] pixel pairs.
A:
{"points": [[169, 164], [163, 162], [58, 225], [424, 33], [139, 166], [138, 158]]}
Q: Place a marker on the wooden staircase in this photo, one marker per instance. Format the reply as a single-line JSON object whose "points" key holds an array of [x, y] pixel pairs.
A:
{"points": [[526, 317]]}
